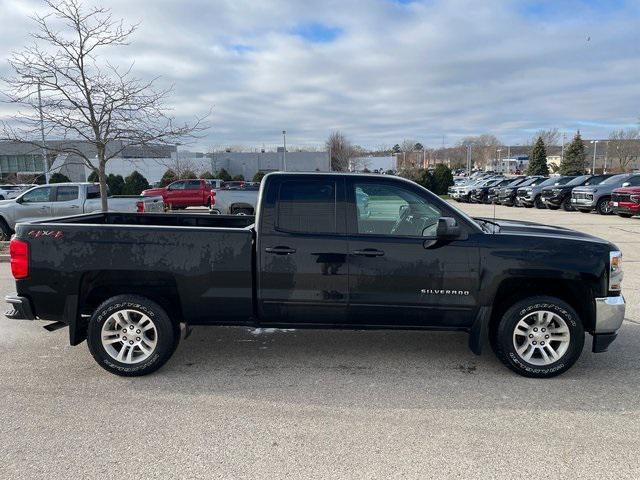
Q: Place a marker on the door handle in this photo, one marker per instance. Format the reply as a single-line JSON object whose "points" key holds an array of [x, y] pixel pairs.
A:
{"points": [[368, 252], [74, 206], [280, 250]]}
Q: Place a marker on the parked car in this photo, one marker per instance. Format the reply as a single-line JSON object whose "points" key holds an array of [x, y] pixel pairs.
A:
{"points": [[64, 199], [233, 184], [10, 191], [598, 197], [482, 194], [531, 196], [626, 201], [493, 194], [556, 196], [234, 201], [312, 261], [181, 194], [507, 195]]}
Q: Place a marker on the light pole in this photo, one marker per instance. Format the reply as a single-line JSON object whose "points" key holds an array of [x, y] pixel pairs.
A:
{"points": [[595, 149], [284, 151], [499, 166], [43, 145]]}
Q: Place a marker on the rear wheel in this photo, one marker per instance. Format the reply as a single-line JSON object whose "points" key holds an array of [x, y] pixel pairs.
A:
{"points": [[539, 337], [131, 336], [604, 206]]}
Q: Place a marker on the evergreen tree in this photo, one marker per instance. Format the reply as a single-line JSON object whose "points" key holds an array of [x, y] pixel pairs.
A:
{"points": [[258, 177], [418, 147], [207, 175], [538, 159], [442, 179], [115, 184], [135, 183], [238, 178], [93, 176], [223, 175], [188, 174], [58, 178], [168, 177], [574, 160], [396, 148]]}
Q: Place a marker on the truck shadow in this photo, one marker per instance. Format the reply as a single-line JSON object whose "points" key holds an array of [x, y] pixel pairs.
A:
{"points": [[377, 369]]}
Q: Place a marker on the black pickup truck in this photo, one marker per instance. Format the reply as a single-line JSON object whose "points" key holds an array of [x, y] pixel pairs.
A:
{"points": [[314, 257]]}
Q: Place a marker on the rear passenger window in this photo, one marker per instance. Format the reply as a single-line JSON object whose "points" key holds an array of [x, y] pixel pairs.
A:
{"points": [[66, 194], [193, 185], [307, 207]]}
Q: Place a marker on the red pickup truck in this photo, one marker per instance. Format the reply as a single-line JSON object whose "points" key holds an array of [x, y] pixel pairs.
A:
{"points": [[626, 201], [184, 193]]}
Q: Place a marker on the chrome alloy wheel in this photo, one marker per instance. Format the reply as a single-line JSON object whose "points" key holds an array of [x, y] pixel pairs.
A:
{"points": [[129, 336], [541, 338]]}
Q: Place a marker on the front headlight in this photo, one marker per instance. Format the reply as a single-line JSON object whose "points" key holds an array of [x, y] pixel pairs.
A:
{"points": [[615, 271]]}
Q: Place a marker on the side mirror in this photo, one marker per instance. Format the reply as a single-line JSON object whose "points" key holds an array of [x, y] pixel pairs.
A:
{"points": [[448, 228], [626, 184]]}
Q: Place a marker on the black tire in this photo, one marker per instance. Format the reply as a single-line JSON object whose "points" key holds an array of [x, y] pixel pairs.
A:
{"points": [[5, 231], [168, 335], [539, 204], [504, 337], [582, 210], [603, 207], [625, 215], [552, 207], [566, 205]]}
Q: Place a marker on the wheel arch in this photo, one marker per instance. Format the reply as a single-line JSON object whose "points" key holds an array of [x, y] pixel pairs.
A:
{"points": [[100, 285], [576, 294]]}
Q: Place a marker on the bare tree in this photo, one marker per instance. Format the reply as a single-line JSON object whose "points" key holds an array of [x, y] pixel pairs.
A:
{"points": [[625, 146], [408, 145], [86, 101], [341, 151], [484, 149], [550, 137]]}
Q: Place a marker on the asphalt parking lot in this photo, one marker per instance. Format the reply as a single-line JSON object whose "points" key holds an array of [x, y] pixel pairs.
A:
{"points": [[235, 403]]}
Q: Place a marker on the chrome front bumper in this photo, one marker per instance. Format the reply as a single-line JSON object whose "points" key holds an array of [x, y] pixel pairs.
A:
{"points": [[609, 314]]}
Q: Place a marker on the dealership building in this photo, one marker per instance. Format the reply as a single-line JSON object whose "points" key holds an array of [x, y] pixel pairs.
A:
{"points": [[21, 159]]}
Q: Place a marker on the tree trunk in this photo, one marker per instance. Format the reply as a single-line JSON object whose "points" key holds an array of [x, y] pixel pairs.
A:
{"points": [[102, 177]]}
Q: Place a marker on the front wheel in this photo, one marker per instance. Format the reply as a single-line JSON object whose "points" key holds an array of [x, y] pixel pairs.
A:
{"points": [[566, 205], [539, 203], [604, 206], [131, 336], [539, 337]]}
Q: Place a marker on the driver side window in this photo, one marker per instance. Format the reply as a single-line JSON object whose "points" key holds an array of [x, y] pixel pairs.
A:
{"points": [[177, 186], [385, 209], [37, 195]]}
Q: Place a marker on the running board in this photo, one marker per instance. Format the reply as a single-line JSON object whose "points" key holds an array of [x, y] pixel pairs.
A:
{"points": [[52, 327]]}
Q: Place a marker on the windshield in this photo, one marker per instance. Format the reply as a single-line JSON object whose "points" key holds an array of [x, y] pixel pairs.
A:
{"points": [[530, 181], [615, 179], [578, 180], [597, 180], [515, 182], [552, 181]]}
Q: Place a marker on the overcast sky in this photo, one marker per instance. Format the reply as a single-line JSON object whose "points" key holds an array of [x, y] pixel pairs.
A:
{"points": [[381, 71]]}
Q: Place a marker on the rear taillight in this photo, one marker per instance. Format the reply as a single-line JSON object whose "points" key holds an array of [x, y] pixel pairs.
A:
{"points": [[140, 207], [19, 254]]}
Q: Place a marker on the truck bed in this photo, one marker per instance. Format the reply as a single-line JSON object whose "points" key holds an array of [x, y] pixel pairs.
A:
{"points": [[199, 266]]}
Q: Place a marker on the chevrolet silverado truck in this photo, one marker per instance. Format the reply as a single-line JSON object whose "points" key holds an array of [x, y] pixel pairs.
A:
{"points": [[508, 195], [626, 201], [557, 196], [312, 259], [234, 201], [63, 199]]}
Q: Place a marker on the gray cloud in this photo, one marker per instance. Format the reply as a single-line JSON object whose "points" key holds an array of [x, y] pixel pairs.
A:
{"points": [[418, 70]]}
